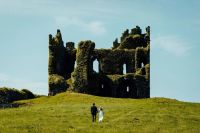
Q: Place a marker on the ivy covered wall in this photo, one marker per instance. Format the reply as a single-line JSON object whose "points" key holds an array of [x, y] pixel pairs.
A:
{"points": [[132, 54]]}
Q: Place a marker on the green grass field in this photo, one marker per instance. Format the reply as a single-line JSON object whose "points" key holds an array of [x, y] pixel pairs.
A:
{"points": [[70, 112]]}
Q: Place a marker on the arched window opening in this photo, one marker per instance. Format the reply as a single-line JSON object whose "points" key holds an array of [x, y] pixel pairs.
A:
{"points": [[127, 88], [124, 68], [96, 66], [102, 86], [142, 64], [75, 65]]}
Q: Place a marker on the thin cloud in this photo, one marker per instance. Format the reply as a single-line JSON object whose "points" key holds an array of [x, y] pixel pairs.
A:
{"points": [[94, 27], [3, 77], [53, 8], [172, 44], [35, 86]]}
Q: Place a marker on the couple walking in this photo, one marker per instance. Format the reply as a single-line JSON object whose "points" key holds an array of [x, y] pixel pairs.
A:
{"points": [[94, 112]]}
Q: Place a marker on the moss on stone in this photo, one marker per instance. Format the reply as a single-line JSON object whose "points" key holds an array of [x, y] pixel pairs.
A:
{"points": [[81, 72], [133, 52], [115, 77], [57, 84]]}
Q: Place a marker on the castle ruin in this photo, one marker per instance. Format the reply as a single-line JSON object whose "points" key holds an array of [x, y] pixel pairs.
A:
{"points": [[131, 53]]}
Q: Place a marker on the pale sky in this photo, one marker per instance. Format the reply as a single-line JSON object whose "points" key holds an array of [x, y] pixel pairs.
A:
{"points": [[175, 43]]}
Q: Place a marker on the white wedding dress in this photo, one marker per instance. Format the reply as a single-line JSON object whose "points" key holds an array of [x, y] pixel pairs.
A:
{"points": [[100, 115]]}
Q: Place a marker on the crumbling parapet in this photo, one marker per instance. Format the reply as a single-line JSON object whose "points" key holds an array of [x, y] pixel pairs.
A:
{"points": [[136, 31], [124, 35], [115, 44]]}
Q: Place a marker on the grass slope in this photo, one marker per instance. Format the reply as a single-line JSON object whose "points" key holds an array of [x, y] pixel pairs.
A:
{"points": [[70, 112]]}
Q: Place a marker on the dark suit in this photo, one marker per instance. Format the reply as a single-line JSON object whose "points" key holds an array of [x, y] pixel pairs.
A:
{"points": [[94, 112]]}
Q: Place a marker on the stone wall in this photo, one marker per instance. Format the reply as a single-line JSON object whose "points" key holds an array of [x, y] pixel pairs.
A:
{"points": [[80, 76], [133, 52]]}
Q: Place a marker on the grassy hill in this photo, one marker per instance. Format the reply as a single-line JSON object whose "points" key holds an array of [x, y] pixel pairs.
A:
{"points": [[70, 112]]}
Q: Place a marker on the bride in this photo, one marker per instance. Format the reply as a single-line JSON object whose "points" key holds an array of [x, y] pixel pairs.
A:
{"points": [[101, 113]]}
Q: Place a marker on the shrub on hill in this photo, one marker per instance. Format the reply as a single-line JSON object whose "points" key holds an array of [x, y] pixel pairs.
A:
{"points": [[8, 95], [28, 94]]}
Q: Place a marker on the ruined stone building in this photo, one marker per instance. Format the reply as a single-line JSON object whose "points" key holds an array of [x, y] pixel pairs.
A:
{"points": [[131, 53]]}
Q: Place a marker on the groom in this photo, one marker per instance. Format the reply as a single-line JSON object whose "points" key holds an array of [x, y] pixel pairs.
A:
{"points": [[94, 112]]}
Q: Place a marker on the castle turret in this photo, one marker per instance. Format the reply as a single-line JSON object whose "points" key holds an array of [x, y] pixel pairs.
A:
{"points": [[124, 35], [56, 66], [136, 30], [115, 44]]}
